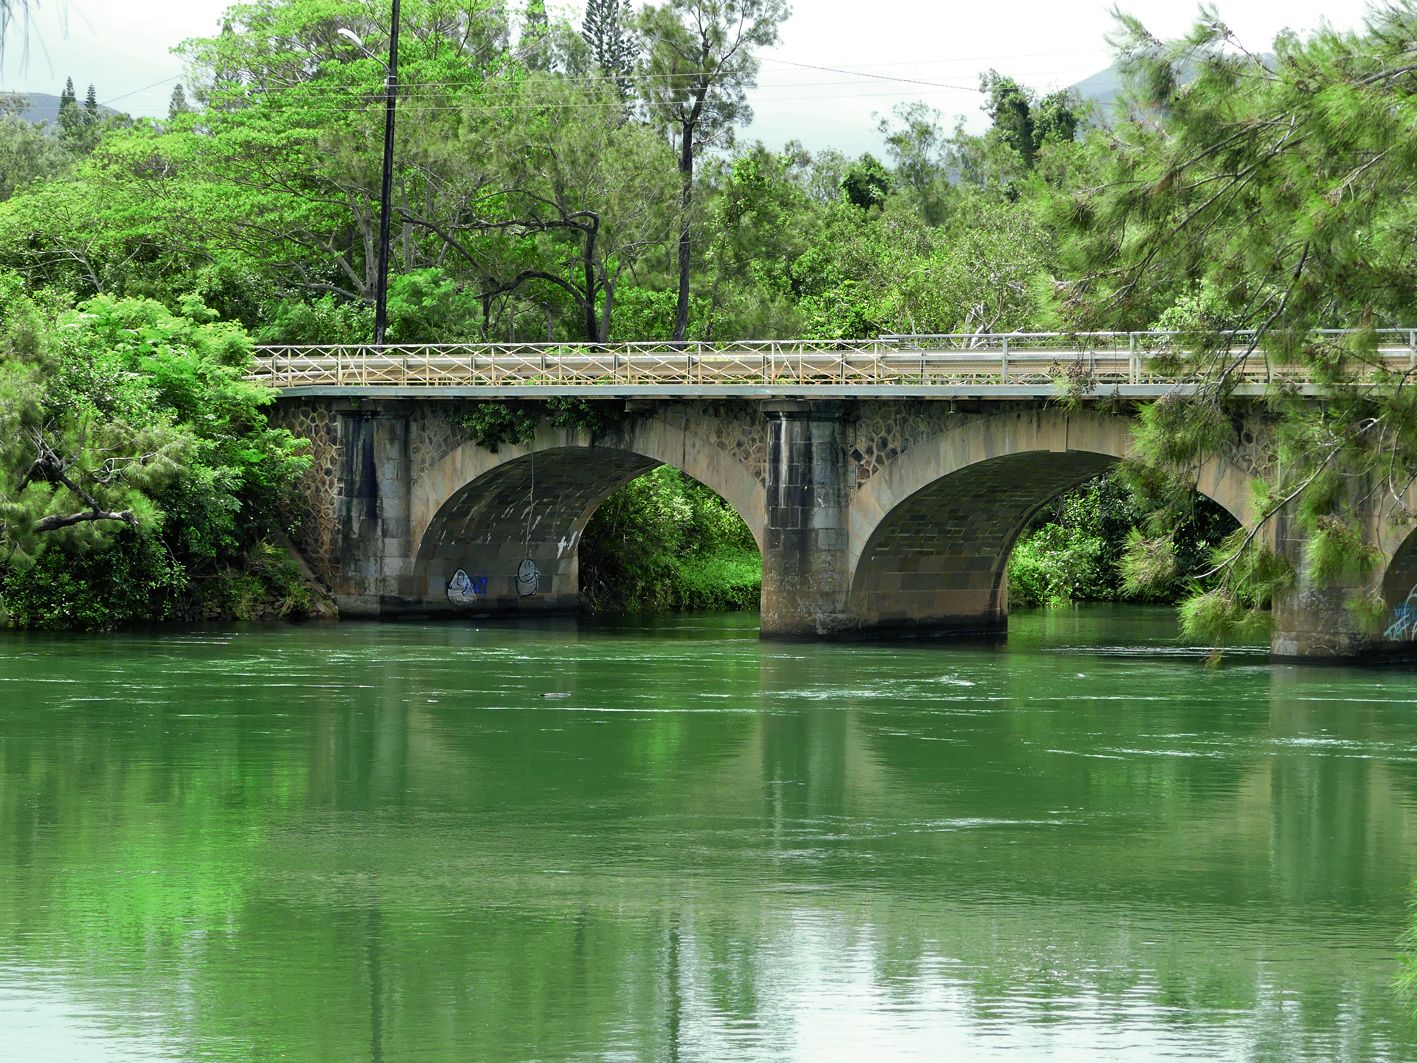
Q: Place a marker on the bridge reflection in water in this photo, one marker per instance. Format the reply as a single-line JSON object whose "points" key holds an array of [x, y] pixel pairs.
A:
{"points": [[710, 847]]}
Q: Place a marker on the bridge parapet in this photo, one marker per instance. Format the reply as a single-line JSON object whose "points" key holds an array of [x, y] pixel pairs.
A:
{"points": [[1013, 365]]}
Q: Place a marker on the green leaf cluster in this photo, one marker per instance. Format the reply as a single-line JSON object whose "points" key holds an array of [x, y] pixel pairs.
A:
{"points": [[134, 458], [666, 542]]}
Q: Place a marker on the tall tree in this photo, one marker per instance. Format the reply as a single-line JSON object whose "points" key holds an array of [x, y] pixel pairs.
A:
{"points": [[1274, 195], [178, 104], [919, 149], [612, 47], [535, 45], [697, 66], [585, 195], [76, 127], [1024, 123], [1010, 109], [91, 106], [68, 107], [292, 131]]}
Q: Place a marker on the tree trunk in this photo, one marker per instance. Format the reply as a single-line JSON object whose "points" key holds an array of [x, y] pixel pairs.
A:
{"points": [[592, 326], [686, 201], [606, 309]]}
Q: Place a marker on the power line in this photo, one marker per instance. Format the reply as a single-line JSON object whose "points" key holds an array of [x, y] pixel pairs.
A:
{"points": [[409, 90], [429, 103], [155, 84], [863, 74], [641, 78]]}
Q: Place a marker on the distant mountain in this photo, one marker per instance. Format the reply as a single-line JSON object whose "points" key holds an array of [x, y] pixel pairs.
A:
{"points": [[1101, 90], [1104, 88], [43, 108]]}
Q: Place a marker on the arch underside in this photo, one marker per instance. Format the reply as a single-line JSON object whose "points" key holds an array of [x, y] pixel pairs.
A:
{"points": [[532, 507], [1400, 593], [939, 559]]}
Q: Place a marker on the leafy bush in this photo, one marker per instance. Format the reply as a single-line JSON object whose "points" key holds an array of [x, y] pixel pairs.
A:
{"points": [[1059, 564], [428, 306], [665, 542], [497, 424], [136, 464], [131, 578], [1091, 545], [325, 320], [511, 423]]}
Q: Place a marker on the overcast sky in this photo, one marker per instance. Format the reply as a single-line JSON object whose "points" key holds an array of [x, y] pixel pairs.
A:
{"points": [[123, 47]]}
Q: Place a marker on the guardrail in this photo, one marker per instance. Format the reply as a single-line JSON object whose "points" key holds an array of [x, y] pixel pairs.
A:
{"points": [[1013, 360]]}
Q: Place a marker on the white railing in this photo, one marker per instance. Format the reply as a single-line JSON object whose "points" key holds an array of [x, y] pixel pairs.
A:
{"points": [[1038, 359]]}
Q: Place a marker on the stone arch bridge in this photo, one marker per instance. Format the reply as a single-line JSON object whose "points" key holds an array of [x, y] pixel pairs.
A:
{"points": [[876, 508]]}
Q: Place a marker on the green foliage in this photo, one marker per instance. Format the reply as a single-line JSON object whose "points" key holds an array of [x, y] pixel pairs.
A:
{"points": [[497, 424], [269, 585], [612, 47], [865, 274], [1090, 546], [325, 320], [866, 183], [29, 153], [129, 578], [1235, 607], [664, 542], [1060, 564], [134, 458], [513, 423], [583, 415], [1269, 194], [921, 154], [644, 314], [1148, 564], [1174, 431], [1218, 616], [429, 306], [1021, 123]]}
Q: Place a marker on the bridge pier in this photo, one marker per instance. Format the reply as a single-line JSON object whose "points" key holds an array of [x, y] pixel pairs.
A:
{"points": [[372, 535], [805, 578], [1312, 621]]}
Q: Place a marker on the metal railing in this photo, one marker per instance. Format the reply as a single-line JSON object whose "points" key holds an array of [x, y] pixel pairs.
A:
{"points": [[1038, 360]]}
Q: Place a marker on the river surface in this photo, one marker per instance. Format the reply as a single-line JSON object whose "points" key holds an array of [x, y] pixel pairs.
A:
{"points": [[670, 841]]}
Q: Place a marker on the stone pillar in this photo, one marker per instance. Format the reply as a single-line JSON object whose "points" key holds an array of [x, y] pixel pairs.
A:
{"points": [[373, 548], [1313, 621], [804, 542]]}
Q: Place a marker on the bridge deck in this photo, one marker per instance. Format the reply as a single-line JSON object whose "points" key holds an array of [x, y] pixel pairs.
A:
{"points": [[1037, 365]]}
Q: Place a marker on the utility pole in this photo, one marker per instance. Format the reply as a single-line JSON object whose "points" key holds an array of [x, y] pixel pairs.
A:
{"points": [[391, 88]]}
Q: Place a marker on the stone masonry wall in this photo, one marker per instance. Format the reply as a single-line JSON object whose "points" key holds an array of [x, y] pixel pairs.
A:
{"points": [[873, 512]]}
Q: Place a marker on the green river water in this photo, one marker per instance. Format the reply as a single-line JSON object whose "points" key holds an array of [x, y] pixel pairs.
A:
{"points": [[671, 841]]}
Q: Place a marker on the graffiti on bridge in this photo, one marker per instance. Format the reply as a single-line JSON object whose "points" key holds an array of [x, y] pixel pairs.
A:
{"points": [[528, 578], [1404, 620], [464, 590]]}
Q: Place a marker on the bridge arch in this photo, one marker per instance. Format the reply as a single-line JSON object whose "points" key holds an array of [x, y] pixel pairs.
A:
{"points": [[931, 534], [483, 513], [1399, 590]]}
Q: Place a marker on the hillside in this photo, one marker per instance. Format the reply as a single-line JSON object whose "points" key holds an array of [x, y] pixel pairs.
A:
{"points": [[43, 108]]}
